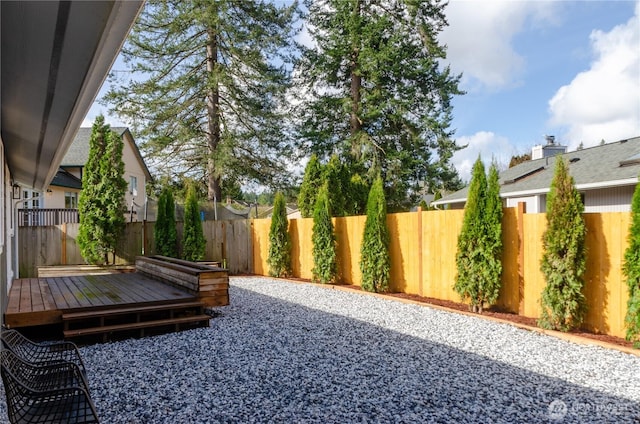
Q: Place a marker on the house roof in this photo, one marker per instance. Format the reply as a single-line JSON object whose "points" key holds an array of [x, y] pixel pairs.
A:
{"points": [[608, 165], [78, 152], [66, 179]]}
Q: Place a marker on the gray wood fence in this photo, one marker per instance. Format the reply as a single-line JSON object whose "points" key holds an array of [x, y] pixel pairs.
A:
{"points": [[228, 241]]}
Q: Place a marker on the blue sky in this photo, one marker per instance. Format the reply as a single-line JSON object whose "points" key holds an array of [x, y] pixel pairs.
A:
{"points": [[535, 68], [530, 69]]}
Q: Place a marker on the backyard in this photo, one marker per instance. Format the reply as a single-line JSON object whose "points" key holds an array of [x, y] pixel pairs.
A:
{"points": [[295, 352]]}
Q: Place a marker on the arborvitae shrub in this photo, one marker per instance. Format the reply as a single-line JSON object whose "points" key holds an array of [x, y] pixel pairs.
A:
{"points": [[336, 176], [325, 266], [90, 201], [279, 259], [631, 269], [490, 287], [375, 262], [470, 257], [563, 261], [101, 203], [311, 183], [357, 194], [165, 233], [193, 243]]}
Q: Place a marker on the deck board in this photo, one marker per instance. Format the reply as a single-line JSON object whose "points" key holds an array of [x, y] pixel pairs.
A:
{"points": [[47, 297], [37, 301]]}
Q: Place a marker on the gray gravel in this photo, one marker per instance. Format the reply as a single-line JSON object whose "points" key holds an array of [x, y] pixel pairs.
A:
{"points": [[293, 353]]}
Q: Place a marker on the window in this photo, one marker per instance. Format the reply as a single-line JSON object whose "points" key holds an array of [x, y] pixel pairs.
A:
{"points": [[70, 200], [133, 185], [32, 199]]}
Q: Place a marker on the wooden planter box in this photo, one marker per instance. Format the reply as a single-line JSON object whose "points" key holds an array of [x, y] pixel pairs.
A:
{"points": [[210, 284]]}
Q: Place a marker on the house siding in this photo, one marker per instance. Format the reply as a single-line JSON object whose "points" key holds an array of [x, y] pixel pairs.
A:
{"points": [[534, 204], [133, 168], [614, 199]]}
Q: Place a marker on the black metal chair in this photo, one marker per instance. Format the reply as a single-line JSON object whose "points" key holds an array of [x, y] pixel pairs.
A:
{"points": [[41, 353], [56, 392]]}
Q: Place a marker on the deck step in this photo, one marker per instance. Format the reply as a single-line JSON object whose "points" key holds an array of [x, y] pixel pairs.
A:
{"points": [[74, 316], [136, 325]]}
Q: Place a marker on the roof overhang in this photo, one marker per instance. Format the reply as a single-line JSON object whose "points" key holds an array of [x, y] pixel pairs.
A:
{"points": [[55, 57]]}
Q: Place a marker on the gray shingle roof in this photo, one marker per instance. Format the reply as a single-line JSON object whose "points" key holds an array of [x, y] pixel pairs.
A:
{"points": [[607, 165], [78, 152], [65, 179]]}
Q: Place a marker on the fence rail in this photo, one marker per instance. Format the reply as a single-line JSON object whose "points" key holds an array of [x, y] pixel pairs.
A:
{"points": [[44, 217]]}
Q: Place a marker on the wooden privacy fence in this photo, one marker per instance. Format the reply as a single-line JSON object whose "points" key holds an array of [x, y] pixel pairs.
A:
{"points": [[423, 251], [56, 245]]}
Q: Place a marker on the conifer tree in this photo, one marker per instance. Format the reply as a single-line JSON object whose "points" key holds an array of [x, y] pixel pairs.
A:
{"points": [[325, 267], [279, 259], [90, 202], [357, 195], [204, 88], [631, 269], [376, 93], [563, 261], [471, 252], [490, 286], [375, 262], [193, 242], [101, 201], [311, 183], [165, 232], [337, 178], [114, 189]]}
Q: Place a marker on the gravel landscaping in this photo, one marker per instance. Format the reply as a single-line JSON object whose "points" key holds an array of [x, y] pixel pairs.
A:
{"points": [[287, 352]]}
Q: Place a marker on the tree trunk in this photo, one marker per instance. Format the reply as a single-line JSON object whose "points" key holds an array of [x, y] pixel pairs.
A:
{"points": [[213, 114], [356, 82]]}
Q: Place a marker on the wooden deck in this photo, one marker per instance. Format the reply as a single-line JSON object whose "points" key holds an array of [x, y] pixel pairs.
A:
{"points": [[42, 301]]}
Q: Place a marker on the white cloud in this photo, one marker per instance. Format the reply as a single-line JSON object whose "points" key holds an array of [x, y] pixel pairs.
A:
{"points": [[485, 144], [479, 39], [602, 102]]}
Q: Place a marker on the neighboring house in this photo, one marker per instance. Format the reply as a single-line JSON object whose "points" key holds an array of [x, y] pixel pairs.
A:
{"points": [[605, 175], [66, 185], [55, 56]]}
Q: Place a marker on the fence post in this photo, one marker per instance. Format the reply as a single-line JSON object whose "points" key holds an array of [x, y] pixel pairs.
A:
{"points": [[63, 249], [420, 265], [522, 209]]}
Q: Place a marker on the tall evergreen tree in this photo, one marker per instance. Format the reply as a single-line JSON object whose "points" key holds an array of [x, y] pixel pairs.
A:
{"points": [[90, 202], [193, 242], [564, 259], [311, 183], [379, 96], [206, 88], [101, 201], [165, 232], [357, 195], [375, 262], [325, 265], [631, 269], [114, 188], [490, 286], [279, 259], [471, 252], [337, 178]]}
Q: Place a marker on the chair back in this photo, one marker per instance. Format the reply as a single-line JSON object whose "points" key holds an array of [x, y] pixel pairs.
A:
{"points": [[54, 393], [14, 341]]}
